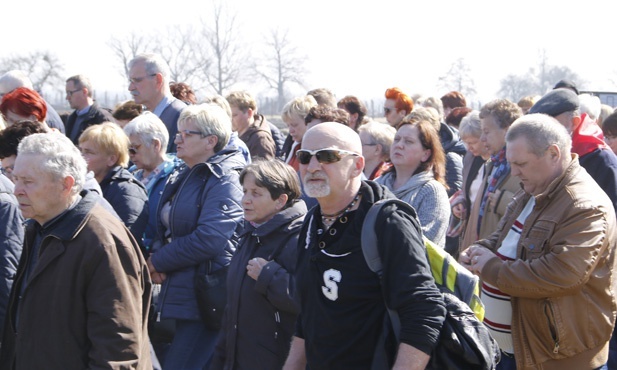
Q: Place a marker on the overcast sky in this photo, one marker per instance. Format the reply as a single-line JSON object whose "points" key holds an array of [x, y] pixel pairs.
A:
{"points": [[357, 48]]}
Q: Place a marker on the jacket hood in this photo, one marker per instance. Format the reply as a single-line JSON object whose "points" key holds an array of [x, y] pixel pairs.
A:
{"points": [[228, 159], [450, 140], [286, 216], [587, 137], [415, 182]]}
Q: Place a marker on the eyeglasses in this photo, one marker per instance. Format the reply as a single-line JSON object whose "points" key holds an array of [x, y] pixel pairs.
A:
{"points": [[387, 111], [369, 144], [136, 80], [324, 156], [133, 149], [70, 93], [183, 134]]}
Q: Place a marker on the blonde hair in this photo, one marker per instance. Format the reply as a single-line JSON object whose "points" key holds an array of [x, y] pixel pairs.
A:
{"points": [[111, 139]]}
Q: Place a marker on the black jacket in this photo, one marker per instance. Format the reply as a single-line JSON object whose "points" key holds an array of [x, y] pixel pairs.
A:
{"points": [[95, 116], [260, 315]]}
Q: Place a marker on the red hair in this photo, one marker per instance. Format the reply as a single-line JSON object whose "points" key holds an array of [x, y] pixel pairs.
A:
{"points": [[402, 101], [24, 102]]}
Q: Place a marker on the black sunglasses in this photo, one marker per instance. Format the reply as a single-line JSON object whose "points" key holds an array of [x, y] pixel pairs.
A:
{"points": [[322, 155]]}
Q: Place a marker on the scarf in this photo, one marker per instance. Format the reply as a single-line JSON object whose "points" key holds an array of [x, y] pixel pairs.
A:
{"points": [[502, 168]]}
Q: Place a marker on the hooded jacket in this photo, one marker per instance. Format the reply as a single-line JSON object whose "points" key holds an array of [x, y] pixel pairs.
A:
{"points": [[430, 200], [258, 138], [260, 315], [204, 216]]}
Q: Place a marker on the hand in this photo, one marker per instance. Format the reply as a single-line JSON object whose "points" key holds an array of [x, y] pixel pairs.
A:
{"points": [[253, 268], [478, 256], [492, 199], [157, 277], [459, 210]]}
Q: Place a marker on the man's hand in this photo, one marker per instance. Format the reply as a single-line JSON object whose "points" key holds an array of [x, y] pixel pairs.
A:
{"points": [[157, 277], [475, 257], [253, 268]]}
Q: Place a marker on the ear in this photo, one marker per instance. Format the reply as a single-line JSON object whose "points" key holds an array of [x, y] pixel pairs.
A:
{"points": [[67, 184], [426, 155], [156, 143], [554, 153], [212, 141], [112, 159], [576, 121], [358, 166], [281, 201]]}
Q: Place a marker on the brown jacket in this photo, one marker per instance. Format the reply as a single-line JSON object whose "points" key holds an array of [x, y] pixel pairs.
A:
{"points": [[258, 138], [563, 281], [508, 186], [87, 297]]}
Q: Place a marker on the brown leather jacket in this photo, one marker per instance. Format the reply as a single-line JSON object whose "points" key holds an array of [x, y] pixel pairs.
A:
{"points": [[563, 282]]}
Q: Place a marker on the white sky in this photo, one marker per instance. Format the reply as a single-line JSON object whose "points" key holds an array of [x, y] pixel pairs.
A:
{"points": [[353, 49]]}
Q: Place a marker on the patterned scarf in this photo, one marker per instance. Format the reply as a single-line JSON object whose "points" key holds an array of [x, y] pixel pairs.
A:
{"points": [[502, 168]]}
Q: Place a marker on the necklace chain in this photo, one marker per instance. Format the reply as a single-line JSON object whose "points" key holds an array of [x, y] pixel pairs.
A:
{"points": [[328, 220]]}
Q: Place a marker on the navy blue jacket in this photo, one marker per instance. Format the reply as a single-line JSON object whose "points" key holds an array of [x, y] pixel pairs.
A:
{"points": [[96, 115], [129, 199], [204, 216], [260, 314], [170, 116], [11, 242]]}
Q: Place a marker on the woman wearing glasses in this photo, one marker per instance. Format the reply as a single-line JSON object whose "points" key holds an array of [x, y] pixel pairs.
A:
{"points": [[105, 149], [260, 315], [148, 138], [198, 214], [418, 176]]}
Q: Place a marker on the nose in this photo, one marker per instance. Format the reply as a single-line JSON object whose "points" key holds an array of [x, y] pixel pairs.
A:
{"points": [[313, 165]]}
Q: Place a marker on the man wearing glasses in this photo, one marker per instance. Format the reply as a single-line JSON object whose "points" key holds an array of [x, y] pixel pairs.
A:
{"points": [[341, 325], [87, 112], [149, 86]]}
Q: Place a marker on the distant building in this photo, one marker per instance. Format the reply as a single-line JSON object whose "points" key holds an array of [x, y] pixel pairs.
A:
{"points": [[606, 97]]}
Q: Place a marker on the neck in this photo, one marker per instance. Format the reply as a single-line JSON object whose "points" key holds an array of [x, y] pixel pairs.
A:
{"points": [[403, 174], [334, 203], [151, 106], [147, 170], [370, 165], [203, 159]]}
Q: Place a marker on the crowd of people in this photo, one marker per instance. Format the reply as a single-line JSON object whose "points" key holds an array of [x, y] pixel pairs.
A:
{"points": [[111, 216]]}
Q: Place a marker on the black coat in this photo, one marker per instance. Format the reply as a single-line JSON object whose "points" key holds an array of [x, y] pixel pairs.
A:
{"points": [[95, 116], [260, 315]]}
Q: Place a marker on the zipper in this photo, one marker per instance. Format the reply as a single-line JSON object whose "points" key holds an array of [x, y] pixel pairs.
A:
{"points": [[550, 317], [277, 318]]}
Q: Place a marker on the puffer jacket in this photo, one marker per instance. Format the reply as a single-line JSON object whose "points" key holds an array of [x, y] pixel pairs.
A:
{"points": [[205, 214], [11, 241], [129, 199], [563, 281], [260, 315]]}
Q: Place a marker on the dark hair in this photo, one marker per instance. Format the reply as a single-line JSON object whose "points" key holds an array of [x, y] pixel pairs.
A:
{"points": [[277, 177], [353, 105], [609, 125], [183, 91], [127, 110], [11, 136], [453, 99], [456, 115], [327, 114]]}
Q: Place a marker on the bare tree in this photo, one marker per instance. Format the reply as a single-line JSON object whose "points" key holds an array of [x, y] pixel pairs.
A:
{"points": [[283, 65], [224, 60], [126, 48], [459, 78], [42, 66], [179, 47], [514, 87]]}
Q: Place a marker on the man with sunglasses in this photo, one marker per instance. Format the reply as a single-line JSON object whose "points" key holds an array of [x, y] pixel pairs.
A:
{"points": [[343, 309], [149, 77]]}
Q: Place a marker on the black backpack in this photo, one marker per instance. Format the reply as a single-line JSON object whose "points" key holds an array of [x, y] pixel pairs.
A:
{"points": [[464, 342]]}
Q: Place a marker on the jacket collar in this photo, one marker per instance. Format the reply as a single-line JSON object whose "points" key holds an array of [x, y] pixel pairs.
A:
{"points": [[296, 210], [69, 225], [561, 181]]}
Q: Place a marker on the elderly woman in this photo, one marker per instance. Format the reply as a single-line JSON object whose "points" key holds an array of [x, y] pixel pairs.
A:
{"points": [[376, 140], [417, 176], [198, 214], [105, 149], [260, 315], [148, 138]]}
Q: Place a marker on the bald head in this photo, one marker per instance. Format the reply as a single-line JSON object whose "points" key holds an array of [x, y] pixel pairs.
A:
{"points": [[332, 135], [14, 79]]}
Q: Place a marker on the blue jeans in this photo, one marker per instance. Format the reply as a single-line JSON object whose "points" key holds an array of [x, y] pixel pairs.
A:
{"points": [[192, 346], [507, 362]]}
